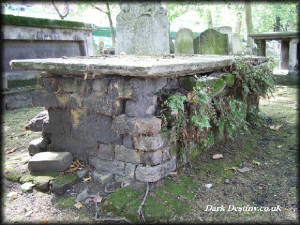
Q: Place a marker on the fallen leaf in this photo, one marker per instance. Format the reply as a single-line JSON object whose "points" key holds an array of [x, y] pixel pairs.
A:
{"points": [[98, 198], [43, 221], [173, 173], [86, 179], [217, 156], [247, 213], [11, 151], [231, 168], [78, 205], [85, 75], [276, 128]]}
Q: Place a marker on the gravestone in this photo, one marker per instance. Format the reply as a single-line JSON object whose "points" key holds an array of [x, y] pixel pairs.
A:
{"points": [[226, 30], [142, 29], [293, 62], [172, 46], [211, 42], [237, 47], [184, 41]]}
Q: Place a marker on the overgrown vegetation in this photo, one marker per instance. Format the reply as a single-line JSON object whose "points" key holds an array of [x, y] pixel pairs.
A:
{"points": [[216, 109]]}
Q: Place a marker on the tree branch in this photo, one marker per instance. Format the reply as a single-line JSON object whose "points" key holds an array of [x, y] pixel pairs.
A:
{"points": [[60, 15], [140, 210], [96, 7]]}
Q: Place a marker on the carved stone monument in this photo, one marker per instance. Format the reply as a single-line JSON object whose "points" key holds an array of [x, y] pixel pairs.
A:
{"points": [[142, 29]]}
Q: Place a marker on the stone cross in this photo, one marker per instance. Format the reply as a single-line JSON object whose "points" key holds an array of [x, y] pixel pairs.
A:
{"points": [[142, 29]]}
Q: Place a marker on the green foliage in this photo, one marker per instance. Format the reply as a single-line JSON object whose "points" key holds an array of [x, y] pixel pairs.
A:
{"points": [[175, 102]]}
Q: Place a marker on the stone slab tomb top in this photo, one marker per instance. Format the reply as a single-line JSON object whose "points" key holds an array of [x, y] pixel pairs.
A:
{"points": [[128, 65]]}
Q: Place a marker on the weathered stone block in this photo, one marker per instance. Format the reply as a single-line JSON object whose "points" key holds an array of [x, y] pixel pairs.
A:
{"points": [[37, 145], [50, 162], [44, 98], [49, 83], [130, 170], [156, 157], [155, 173], [133, 126], [128, 141], [188, 82], [115, 167], [102, 178], [99, 86], [145, 105], [106, 151], [148, 143], [127, 155]]}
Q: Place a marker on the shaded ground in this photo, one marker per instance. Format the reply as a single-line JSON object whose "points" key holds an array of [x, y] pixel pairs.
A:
{"points": [[272, 181]]}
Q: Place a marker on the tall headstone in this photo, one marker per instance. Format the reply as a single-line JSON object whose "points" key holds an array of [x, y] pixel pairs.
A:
{"points": [[184, 41], [211, 42], [143, 29], [226, 30], [293, 51], [237, 46]]}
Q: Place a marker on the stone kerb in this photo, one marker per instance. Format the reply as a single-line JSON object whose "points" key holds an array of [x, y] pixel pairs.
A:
{"points": [[184, 41]]}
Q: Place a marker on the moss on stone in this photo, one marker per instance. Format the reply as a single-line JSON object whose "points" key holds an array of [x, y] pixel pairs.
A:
{"points": [[65, 203], [22, 83], [212, 42], [64, 179], [218, 87], [38, 178], [188, 182], [229, 79], [40, 22], [13, 176], [188, 82]]}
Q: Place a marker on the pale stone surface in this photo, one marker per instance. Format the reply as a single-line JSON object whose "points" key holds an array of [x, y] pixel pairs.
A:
{"points": [[293, 63], [142, 28], [129, 65], [115, 167], [155, 173], [184, 41], [133, 126], [127, 155], [147, 143], [237, 47], [50, 162]]}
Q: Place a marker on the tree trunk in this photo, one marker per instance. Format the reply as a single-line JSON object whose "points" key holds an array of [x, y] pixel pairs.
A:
{"points": [[113, 39], [248, 20], [238, 23], [209, 19]]}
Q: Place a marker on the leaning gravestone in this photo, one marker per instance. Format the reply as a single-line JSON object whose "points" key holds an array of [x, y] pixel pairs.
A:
{"points": [[142, 29], [184, 41], [226, 30], [211, 42]]}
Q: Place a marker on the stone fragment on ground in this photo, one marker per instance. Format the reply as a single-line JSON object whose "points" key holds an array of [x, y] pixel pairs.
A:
{"points": [[218, 156], [61, 184], [36, 123], [50, 162], [12, 195], [27, 186], [37, 145], [244, 169]]}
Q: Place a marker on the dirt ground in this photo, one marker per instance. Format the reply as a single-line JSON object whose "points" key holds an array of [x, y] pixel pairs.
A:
{"points": [[270, 152]]}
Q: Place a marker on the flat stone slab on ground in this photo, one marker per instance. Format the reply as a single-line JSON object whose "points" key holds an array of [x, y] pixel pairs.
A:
{"points": [[50, 162]]}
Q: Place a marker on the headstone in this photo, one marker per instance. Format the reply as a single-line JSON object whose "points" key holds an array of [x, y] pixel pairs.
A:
{"points": [[184, 41], [211, 42], [143, 29], [293, 62], [237, 47], [172, 46], [226, 30]]}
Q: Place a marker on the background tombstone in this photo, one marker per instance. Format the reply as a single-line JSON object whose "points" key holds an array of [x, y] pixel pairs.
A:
{"points": [[142, 29], [184, 41], [226, 30], [211, 42], [172, 46], [237, 46], [293, 62]]}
